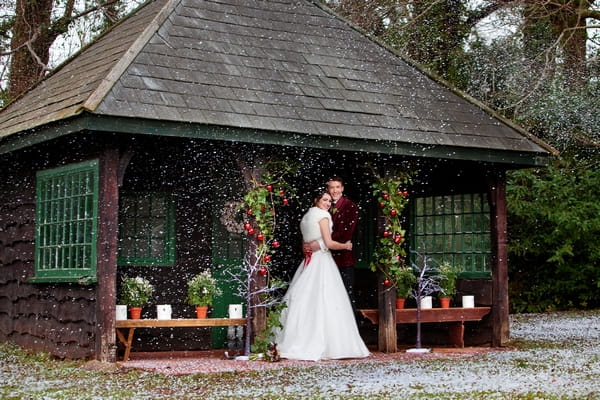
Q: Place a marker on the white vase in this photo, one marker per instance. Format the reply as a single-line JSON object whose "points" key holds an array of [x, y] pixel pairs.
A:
{"points": [[426, 302], [235, 311], [468, 301], [163, 311], [121, 312]]}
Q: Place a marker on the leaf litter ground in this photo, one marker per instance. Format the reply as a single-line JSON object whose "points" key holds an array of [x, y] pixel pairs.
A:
{"points": [[550, 356]]}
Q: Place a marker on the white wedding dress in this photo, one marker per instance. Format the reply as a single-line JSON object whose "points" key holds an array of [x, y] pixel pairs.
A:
{"points": [[318, 322]]}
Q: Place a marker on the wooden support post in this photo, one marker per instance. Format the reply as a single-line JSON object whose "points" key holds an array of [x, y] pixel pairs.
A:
{"points": [[498, 211], [388, 339], [257, 313], [108, 220], [456, 334]]}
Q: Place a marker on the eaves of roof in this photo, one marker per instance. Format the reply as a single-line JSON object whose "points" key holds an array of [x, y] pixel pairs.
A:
{"points": [[87, 122]]}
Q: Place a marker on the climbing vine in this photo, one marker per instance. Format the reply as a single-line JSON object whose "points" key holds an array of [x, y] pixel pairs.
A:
{"points": [[390, 253], [263, 198], [267, 190]]}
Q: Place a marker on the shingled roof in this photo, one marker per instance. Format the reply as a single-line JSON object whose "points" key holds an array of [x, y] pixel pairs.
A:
{"points": [[282, 71]]}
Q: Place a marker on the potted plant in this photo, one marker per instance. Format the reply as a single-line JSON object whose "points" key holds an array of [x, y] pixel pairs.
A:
{"points": [[448, 276], [405, 281], [201, 291], [136, 292]]}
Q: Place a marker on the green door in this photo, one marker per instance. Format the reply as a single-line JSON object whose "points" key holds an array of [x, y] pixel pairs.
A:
{"points": [[228, 251]]}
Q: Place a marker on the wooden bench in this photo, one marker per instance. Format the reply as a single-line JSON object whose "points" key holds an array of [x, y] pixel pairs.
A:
{"points": [[454, 317], [132, 324]]}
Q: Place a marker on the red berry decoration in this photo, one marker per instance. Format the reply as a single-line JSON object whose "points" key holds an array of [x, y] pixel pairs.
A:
{"points": [[251, 231], [382, 205], [263, 271], [247, 226], [260, 237], [285, 201], [275, 244], [398, 239], [386, 282], [269, 188], [249, 212], [385, 196], [393, 212], [386, 234], [281, 192], [267, 258], [405, 193]]}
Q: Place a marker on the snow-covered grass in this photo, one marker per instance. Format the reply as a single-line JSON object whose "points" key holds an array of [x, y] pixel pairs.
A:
{"points": [[551, 356]]}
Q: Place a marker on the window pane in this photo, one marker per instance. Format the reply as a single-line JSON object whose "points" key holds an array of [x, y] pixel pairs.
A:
{"points": [[146, 229], [66, 219], [454, 228]]}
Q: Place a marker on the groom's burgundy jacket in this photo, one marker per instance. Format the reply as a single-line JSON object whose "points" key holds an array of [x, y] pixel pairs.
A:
{"points": [[344, 214]]}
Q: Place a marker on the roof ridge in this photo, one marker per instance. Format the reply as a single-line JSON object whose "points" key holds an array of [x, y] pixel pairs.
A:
{"points": [[104, 87]]}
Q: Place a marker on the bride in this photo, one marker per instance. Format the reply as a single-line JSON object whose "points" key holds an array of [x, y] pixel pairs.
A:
{"points": [[318, 322]]}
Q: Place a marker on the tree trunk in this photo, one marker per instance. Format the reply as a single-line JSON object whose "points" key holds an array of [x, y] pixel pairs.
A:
{"points": [[31, 44], [33, 33], [436, 34], [570, 27], [564, 24]]}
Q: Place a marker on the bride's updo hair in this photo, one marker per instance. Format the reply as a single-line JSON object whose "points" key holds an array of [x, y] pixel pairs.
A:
{"points": [[318, 194]]}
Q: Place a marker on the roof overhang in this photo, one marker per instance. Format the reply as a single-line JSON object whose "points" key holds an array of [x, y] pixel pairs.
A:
{"points": [[93, 123]]}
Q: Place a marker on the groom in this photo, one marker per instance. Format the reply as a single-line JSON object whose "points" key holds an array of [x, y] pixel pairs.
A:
{"points": [[344, 214]]}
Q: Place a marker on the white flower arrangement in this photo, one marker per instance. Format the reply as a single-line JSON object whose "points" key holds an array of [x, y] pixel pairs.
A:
{"points": [[136, 292], [202, 289]]}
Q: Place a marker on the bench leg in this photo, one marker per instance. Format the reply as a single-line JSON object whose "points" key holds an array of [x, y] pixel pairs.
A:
{"points": [[126, 342], [456, 331]]}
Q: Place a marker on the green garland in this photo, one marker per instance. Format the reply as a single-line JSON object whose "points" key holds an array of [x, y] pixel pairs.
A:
{"points": [[260, 204], [390, 253]]}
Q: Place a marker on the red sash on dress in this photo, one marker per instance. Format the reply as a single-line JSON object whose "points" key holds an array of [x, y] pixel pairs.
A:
{"points": [[307, 257]]}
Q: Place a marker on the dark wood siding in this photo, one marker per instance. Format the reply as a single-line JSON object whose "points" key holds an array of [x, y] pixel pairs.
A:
{"points": [[185, 172], [57, 318]]}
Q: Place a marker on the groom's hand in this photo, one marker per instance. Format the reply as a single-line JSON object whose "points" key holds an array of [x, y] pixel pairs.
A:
{"points": [[311, 246]]}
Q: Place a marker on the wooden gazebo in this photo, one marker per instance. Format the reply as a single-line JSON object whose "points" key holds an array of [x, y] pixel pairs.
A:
{"points": [[161, 107]]}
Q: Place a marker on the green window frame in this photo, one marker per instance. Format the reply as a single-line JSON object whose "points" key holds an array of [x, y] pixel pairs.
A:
{"points": [[66, 229], [453, 228], [146, 229]]}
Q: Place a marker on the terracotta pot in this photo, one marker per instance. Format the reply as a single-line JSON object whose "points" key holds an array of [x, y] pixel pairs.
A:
{"points": [[445, 302], [201, 311], [135, 312], [400, 303]]}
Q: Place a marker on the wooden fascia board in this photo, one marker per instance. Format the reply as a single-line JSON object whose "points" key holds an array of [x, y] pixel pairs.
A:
{"points": [[42, 134], [513, 159], [88, 122]]}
